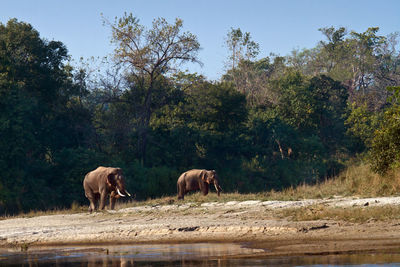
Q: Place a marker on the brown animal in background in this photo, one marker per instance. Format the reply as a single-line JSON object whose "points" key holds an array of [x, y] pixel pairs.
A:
{"points": [[197, 180], [100, 183]]}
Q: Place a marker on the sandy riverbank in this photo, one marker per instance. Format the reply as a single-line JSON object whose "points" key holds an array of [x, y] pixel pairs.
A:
{"points": [[248, 221]]}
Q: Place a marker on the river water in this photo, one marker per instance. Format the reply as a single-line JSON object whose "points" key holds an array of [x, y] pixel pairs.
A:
{"points": [[198, 254]]}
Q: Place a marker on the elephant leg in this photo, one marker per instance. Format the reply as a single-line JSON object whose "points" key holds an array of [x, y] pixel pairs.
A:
{"points": [[112, 200], [91, 206], [103, 197], [181, 192], [204, 190], [112, 203], [96, 201], [92, 200]]}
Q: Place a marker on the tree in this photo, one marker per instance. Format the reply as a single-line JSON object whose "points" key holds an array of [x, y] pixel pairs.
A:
{"points": [[37, 117], [216, 107], [366, 63], [365, 48], [249, 76], [316, 108], [252, 79], [335, 47], [241, 46], [149, 54], [330, 101]]}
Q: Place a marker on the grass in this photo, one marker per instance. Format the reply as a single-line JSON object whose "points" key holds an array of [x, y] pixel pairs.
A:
{"points": [[356, 180], [198, 198], [75, 208], [348, 214], [195, 199]]}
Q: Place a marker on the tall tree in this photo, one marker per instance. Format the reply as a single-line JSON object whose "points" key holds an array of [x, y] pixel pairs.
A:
{"points": [[334, 46], [241, 46], [35, 87], [247, 76], [365, 48], [149, 54]]}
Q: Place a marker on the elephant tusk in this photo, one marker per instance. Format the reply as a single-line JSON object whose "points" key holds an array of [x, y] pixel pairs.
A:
{"points": [[127, 193], [119, 193], [218, 189]]}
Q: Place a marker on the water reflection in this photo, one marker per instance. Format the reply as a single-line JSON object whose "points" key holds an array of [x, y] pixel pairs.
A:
{"points": [[167, 254], [202, 254]]}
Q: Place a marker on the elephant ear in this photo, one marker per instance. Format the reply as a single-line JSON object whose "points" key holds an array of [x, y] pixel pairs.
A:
{"points": [[110, 177], [203, 176], [203, 182]]}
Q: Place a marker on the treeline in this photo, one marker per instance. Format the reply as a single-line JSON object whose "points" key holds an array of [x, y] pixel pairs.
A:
{"points": [[269, 123]]}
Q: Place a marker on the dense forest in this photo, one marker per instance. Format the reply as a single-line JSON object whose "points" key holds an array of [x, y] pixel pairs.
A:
{"points": [[270, 122]]}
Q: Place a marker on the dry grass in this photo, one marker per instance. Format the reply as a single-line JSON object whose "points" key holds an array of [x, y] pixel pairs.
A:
{"points": [[349, 214], [360, 180], [356, 180], [197, 198], [75, 208]]}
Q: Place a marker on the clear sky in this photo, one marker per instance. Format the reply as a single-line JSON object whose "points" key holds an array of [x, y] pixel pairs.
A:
{"points": [[279, 26]]}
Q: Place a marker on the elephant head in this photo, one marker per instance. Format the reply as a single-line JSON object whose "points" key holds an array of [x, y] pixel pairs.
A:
{"points": [[116, 182], [211, 177]]}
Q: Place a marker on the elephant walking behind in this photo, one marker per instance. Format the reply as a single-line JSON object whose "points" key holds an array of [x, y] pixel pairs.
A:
{"points": [[197, 180], [100, 183]]}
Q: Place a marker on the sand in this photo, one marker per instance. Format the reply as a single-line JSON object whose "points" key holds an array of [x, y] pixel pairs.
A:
{"points": [[254, 222]]}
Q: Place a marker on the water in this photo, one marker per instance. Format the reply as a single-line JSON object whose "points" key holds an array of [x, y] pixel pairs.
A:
{"points": [[199, 254]]}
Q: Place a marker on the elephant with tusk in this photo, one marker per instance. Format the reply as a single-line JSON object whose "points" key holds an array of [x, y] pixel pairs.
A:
{"points": [[100, 183], [197, 180]]}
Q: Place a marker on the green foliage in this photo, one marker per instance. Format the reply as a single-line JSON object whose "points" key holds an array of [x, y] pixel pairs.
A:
{"points": [[296, 105], [272, 123], [67, 171], [362, 124], [39, 119], [386, 141], [216, 108]]}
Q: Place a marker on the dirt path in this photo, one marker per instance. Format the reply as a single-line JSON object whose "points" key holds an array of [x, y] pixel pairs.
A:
{"points": [[254, 221]]}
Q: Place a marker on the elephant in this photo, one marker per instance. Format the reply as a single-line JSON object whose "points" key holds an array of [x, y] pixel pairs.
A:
{"points": [[197, 179], [100, 183]]}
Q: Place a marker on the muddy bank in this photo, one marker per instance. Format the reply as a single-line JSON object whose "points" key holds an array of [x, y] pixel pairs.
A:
{"points": [[247, 221]]}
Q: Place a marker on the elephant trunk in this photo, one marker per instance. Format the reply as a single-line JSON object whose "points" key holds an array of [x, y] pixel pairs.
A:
{"points": [[217, 188]]}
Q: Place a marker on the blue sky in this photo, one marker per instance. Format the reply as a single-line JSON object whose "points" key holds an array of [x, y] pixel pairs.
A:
{"points": [[278, 26]]}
